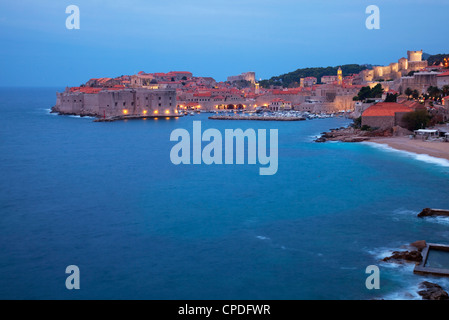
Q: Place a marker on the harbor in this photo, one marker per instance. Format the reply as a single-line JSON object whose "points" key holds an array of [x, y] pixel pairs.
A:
{"points": [[271, 116]]}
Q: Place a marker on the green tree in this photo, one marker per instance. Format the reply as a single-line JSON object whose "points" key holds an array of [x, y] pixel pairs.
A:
{"points": [[408, 92], [434, 92], [445, 90], [391, 97], [377, 91], [357, 122], [364, 93], [415, 120], [367, 93]]}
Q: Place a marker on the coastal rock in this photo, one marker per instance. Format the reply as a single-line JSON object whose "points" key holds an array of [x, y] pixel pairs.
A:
{"points": [[427, 212], [410, 256], [349, 134], [401, 132], [354, 139], [419, 245], [320, 139], [432, 291]]}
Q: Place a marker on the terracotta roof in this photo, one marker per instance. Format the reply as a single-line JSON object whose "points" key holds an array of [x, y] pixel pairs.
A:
{"points": [[203, 94], [88, 90], [412, 104], [445, 74], [385, 109], [180, 72]]}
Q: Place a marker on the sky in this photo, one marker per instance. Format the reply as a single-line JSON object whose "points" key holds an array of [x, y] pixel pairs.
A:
{"points": [[215, 38]]}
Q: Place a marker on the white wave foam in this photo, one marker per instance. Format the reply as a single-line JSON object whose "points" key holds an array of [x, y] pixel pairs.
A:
{"points": [[406, 212], [262, 238], [47, 111], [409, 293], [439, 220], [402, 274], [399, 213], [380, 253], [83, 117], [416, 156]]}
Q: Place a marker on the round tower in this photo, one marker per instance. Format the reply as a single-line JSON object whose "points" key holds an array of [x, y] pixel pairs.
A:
{"points": [[414, 56]]}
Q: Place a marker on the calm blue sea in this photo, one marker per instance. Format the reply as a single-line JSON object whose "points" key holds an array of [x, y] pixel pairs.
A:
{"points": [[106, 197]]}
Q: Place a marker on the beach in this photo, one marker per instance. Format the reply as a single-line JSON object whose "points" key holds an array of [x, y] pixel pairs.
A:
{"points": [[432, 148]]}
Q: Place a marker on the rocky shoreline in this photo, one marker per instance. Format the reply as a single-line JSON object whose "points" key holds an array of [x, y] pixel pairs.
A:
{"points": [[351, 134], [415, 253], [432, 291], [59, 113], [427, 212], [428, 290]]}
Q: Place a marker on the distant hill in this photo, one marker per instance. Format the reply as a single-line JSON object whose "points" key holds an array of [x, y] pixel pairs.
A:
{"points": [[291, 79], [426, 56]]}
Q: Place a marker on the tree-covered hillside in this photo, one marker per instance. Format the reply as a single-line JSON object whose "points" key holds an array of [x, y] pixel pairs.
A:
{"points": [[438, 58], [291, 79]]}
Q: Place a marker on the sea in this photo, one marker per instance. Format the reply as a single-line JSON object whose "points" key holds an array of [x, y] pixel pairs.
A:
{"points": [[106, 198]]}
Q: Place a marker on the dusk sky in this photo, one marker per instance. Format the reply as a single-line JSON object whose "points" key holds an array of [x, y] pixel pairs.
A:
{"points": [[208, 38]]}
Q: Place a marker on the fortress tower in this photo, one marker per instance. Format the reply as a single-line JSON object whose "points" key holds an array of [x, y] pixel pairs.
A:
{"points": [[414, 56], [403, 64]]}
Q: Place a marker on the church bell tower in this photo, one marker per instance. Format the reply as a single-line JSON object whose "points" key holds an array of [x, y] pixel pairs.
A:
{"points": [[340, 76]]}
